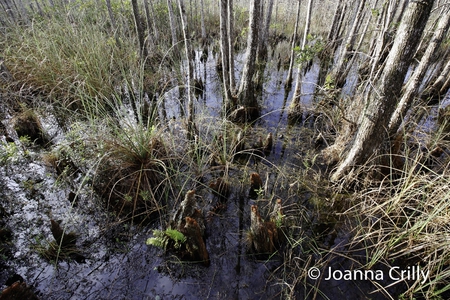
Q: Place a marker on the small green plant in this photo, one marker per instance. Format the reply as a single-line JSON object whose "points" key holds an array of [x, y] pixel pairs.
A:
{"points": [[279, 219], [315, 45], [164, 238], [9, 153], [329, 83]]}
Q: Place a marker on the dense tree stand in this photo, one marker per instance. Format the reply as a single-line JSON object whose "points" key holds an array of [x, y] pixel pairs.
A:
{"points": [[371, 133]]}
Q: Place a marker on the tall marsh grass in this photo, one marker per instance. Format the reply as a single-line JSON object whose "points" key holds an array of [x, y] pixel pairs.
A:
{"points": [[406, 220], [69, 54]]}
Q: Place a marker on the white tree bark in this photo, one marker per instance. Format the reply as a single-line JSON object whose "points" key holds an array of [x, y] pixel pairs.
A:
{"points": [[292, 56], [189, 79], [372, 131], [224, 50], [246, 89], [412, 87], [295, 111]]}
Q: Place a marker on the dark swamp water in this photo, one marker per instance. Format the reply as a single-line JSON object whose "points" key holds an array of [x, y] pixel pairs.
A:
{"points": [[114, 261]]}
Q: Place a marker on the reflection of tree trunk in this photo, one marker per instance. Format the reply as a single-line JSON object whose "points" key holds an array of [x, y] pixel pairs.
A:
{"points": [[23, 13], [412, 87], [295, 110], [246, 94], [371, 134]]}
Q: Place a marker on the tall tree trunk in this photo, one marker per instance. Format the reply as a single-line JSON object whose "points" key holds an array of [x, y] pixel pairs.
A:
{"points": [[246, 93], [230, 29], [225, 55], [384, 41], [173, 29], [288, 83], [356, 48], [202, 20], [113, 22], [191, 132], [327, 55], [295, 110], [263, 41], [338, 71], [155, 28], [412, 87], [371, 133], [439, 87], [140, 30], [149, 22], [336, 23]]}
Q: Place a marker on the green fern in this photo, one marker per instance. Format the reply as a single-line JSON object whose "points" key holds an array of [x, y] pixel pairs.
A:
{"points": [[161, 238], [176, 236]]}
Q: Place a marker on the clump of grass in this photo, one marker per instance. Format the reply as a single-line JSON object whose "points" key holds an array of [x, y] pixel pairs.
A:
{"points": [[405, 220], [133, 173]]}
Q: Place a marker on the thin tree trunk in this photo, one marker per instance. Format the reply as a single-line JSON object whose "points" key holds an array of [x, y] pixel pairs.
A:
{"points": [[225, 48], [246, 93], [384, 40], [231, 47], [172, 23], [338, 70], [187, 49], [356, 49], [371, 134], [295, 110], [439, 87], [149, 22], [154, 27], [335, 24], [412, 87], [140, 31], [202, 20], [327, 55], [113, 22], [262, 51], [288, 83]]}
